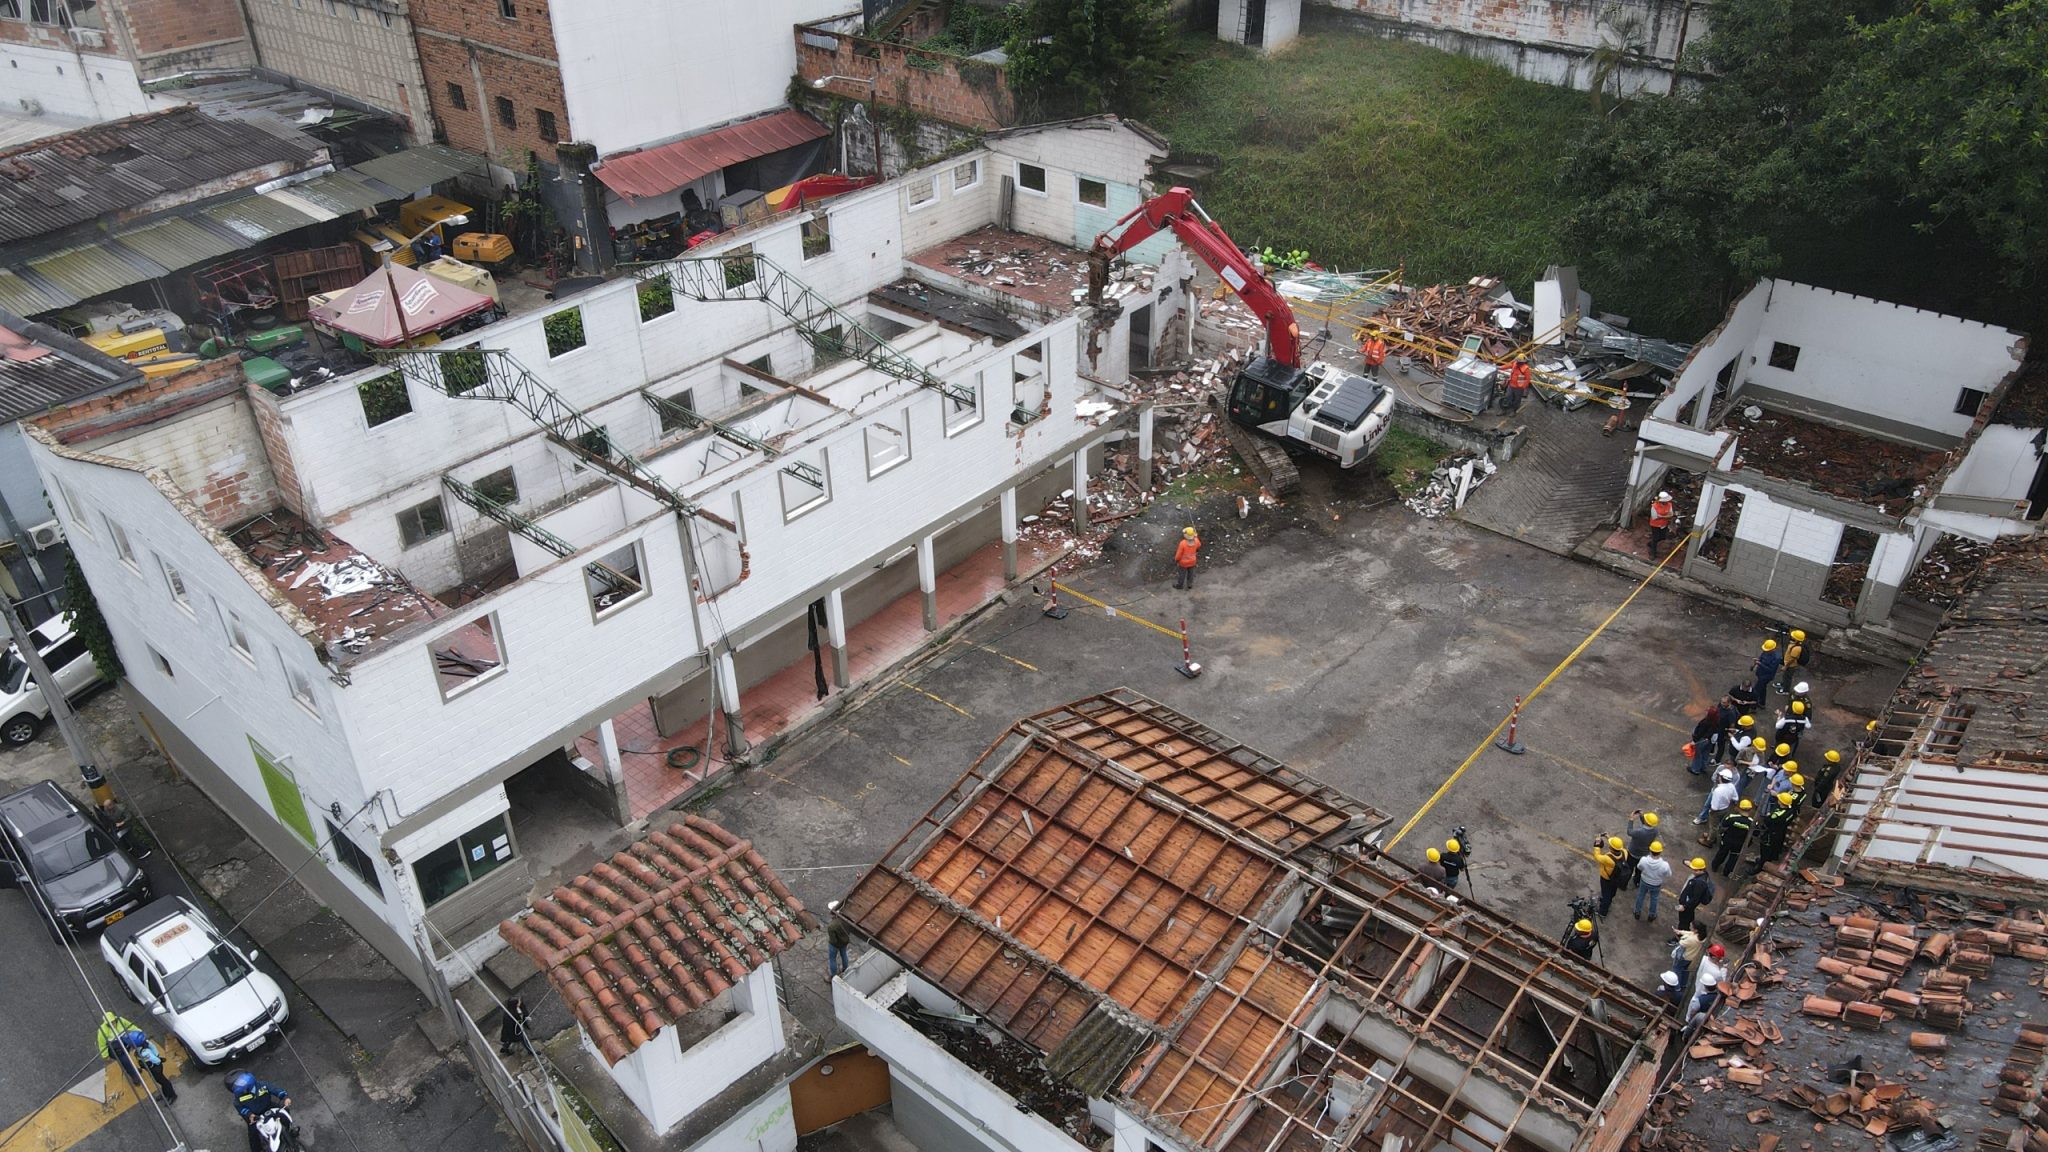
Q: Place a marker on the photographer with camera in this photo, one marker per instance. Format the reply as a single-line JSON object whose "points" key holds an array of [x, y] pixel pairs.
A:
{"points": [[1611, 854], [1455, 859], [1582, 937]]}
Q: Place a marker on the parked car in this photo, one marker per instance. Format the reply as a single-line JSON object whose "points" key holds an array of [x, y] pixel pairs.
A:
{"points": [[73, 869], [206, 991], [21, 698]]}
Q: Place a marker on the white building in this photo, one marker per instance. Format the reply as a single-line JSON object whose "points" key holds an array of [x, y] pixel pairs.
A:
{"points": [[1838, 438], [325, 628]]}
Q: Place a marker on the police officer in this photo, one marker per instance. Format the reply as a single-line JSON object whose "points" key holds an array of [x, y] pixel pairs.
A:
{"points": [[1735, 829], [1777, 831]]}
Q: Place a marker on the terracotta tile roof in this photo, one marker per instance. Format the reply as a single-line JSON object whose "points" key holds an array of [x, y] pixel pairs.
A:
{"points": [[658, 931]]}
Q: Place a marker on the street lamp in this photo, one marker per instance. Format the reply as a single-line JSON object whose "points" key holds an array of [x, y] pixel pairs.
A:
{"points": [[874, 125], [386, 248]]}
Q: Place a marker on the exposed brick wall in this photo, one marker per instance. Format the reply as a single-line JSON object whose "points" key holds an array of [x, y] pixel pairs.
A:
{"points": [[177, 35], [460, 38], [51, 36], [939, 85], [270, 426]]}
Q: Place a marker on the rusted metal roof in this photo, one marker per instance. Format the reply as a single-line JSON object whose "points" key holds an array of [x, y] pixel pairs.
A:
{"points": [[41, 368], [667, 167], [658, 931], [55, 183], [91, 270]]}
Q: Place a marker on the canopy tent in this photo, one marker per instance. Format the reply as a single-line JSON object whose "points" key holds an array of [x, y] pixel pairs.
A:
{"points": [[370, 311]]}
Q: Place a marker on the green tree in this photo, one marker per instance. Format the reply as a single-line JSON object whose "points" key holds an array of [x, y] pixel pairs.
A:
{"points": [[1076, 57]]}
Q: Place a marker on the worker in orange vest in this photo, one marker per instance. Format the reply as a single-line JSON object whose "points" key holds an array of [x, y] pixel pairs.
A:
{"points": [[1184, 558], [1520, 377], [1375, 352], [1661, 511]]}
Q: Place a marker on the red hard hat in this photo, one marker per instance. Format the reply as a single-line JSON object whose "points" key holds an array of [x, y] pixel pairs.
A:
{"points": [[1717, 952]]}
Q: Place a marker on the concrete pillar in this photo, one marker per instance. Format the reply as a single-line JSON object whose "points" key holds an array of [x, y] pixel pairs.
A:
{"points": [[729, 699], [614, 770], [1080, 491], [1009, 519], [928, 583], [1145, 446], [835, 632]]}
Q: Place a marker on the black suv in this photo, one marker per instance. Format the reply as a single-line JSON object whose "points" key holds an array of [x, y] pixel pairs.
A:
{"points": [[73, 870]]}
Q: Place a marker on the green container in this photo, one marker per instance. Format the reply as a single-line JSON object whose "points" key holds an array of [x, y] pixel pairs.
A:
{"points": [[267, 373], [272, 339]]}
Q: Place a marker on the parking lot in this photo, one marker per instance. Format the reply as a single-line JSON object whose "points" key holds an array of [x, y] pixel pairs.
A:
{"points": [[1356, 642]]}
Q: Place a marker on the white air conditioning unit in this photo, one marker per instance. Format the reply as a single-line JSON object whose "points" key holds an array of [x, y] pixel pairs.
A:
{"points": [[48, 534]]}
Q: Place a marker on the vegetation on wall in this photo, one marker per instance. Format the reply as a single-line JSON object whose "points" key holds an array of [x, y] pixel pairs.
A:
{"points": [[87, 623]]}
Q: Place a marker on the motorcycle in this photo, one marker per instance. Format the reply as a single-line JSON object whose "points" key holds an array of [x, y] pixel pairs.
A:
{"points": [[277, 1131]]}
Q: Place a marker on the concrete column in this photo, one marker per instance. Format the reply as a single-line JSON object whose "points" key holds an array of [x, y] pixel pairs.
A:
{"points": [[1081, 490], [729, 699], [614, 770], [1009, 519], [1145, 446], [835, 631], [928, 583]]}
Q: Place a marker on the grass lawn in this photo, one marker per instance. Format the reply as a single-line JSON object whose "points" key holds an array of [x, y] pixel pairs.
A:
{"points": [[1373, 153], [1407, 460]]}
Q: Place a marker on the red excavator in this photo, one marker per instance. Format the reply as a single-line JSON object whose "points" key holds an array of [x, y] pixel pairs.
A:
{"points": [[1334, 413]]}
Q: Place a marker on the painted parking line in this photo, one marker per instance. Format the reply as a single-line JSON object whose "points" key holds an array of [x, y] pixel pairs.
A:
{"points": [[1007, 656], [83, 1109], [1574, 849], [1660, 723], [939, 699]]}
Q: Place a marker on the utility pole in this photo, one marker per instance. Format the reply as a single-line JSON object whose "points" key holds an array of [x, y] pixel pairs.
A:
{"points": [[60, 709]]}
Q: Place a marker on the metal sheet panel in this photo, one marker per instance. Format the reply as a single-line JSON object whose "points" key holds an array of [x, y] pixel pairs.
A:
{"points": [[289, 198], [341, 193], [259, 218], [25, 299], [667, 167], [176, 243], [418, 168], [95, 269]]}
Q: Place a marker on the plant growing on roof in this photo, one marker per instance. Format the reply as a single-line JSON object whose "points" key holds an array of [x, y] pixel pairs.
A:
{"points": [[87, 623], [384, 398]]}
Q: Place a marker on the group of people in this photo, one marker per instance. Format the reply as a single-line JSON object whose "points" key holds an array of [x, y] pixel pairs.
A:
{"points": [[130, 1048]]}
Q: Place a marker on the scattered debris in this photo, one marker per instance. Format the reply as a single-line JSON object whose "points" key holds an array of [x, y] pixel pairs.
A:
{"points": [[1839, 461], [1440, 497]]}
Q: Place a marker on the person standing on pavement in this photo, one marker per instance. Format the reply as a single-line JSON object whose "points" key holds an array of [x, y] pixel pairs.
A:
{"points": [[1520, 378], [1793, 723], [1685, 952], [1795, 655], [1720, 798], [837, 940], [1642, 829], [1765, 669], [1661, 512], [1698, 890], [1733, 834], [108, 1040], [145, 1055], [1582, 939], [1184, 555], [1706, 736], [1374, 351], [1453, 860], [1741, 730], [1433, 870], [1651, 873], [1611, 855], [1776, 832], [512, 1029], [1824, 782]]}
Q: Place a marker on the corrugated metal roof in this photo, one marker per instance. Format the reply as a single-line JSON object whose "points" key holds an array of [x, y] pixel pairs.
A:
{"points": [[65, 180], [23, 298], [289, 198], [342, 193], [41, 368], [95, 269], [422, 167], [667, 167], [177, 243], [258, 217]]}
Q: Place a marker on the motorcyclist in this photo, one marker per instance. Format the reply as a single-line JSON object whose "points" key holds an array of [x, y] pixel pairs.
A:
{"points": [[255, 1099]]}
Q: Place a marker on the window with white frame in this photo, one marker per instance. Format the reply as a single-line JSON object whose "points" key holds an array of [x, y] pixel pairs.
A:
{"points": [[817, 235], [464, 860], [71, 503], [922, 191], [1031, 178], [468, 656], [351, 856], [238, 634], [175, 581], [1093, 193], [614, 580], [962, 414], [805, 485], [888, 440], [118, 537], [966, 174], [1027, 383], [670, 420], [721, 548], [422, 522], [299, 684]]}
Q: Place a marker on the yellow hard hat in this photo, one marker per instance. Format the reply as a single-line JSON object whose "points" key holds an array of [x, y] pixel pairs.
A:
{"points": [[1451, 845], [1745, 722], [1791, 766], [1614, 842], [1782, 750], [1799, 707], [1699, 863], [1798, 781], [1585, 927], [1759, 743], [1770, 645], [1833, 757], [1746, 806], [1799, 634], [1656, 846], [1649, 819], [1785, 798], [1435, 856], [1188, 531], [1870, 727]]}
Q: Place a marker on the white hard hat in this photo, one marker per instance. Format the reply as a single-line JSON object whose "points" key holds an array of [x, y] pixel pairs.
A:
{"points": [[1725, 774], [1800, 688], [1663, 495], [1671, 979], [1709, 980], [832, 906]]}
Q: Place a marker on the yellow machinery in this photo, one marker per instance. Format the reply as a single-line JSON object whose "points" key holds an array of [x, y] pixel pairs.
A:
{"points": [[483, 247], [130, 345], [382, 238]]}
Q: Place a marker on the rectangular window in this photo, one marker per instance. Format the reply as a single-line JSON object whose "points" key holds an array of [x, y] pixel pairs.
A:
{"points": [[422, 522], [1968, 401], [1785, 356], [71, 504], [966, 174], [1031, 178], [10, 9], [564, 331], [299, 684], [464, 370], [739, 266], [829, 344], [457, 98], [817, 235], [163, 666], [118, 536], [670, 422], [888, 441], [1093, 193], [286, 802], [922, 191], [963, 414], [468, 656], [544, 122], [463, 861], [384, 399], [1027, 384], [613, 580], [175, 581], [353, 858], [508, 10], [507, 115], [805, 486], [42, 11], [657, 297], [238, 635], [500, 487]]}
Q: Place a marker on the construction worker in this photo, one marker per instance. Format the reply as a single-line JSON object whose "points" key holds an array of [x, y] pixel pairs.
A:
{"points": [[1777, 832], [1795, 655], [1611, 855], [1796, 785], [1520, 377], [1714, 964], [1709, 996], [1671, 990], [1733, 834], [1781, 778], [1768, 661], [1780, 755], [1453, 860], [1824, 783], [1793, 723], [1184, 558], [1720, 798], [1661, 511], [1433, 870], [1740, 732], [1698, 890], [1802, 693], [1375, 352], [1757, 769], [1651, 873], [1642, 829], [1582, 939]]}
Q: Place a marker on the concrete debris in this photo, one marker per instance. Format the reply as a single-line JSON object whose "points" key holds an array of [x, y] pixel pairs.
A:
{"points": [[1839, 461], [1453, 476]]}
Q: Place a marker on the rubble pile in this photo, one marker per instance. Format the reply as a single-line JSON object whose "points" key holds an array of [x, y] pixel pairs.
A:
{"points": [[1439, 497], [1451, 312], [1839, 461], [1940, 576]]}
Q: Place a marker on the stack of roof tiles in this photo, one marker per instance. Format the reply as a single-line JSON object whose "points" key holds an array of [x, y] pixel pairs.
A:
{"points": [[658, 931]]}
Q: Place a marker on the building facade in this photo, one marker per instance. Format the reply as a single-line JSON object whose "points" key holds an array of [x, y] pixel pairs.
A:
{"points": [[361, 50], [92, 62]]}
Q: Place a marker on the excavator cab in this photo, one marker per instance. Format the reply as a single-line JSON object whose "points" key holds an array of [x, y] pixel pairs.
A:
{"points": [[1265, 392]]}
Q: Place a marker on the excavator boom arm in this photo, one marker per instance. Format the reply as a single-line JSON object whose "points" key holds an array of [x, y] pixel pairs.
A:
{"points": [[1177, 210]]}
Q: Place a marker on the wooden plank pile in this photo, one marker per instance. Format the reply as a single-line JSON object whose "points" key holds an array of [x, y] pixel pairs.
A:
{"points": [[1451, 312]]}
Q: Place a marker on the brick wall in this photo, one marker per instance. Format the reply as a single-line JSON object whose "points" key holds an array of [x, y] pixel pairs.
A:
{"points": [[172, 36], [276, 446], [352, 49], [938, 85], [460, 39]]}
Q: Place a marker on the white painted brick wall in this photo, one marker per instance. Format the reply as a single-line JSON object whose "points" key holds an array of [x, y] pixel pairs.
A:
{"points": [[1797, 531], [215, 442], [1733, 339], [2001, 464], [956, 211]]}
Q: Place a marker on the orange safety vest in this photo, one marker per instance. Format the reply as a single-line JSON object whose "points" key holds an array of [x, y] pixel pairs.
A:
{"points": [[1185, 554], [1375, 352], [1660, 513], [1519, 377]]}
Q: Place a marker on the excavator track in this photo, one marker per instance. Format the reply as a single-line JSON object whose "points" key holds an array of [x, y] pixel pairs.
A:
{"points": [[1262, 454]]}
